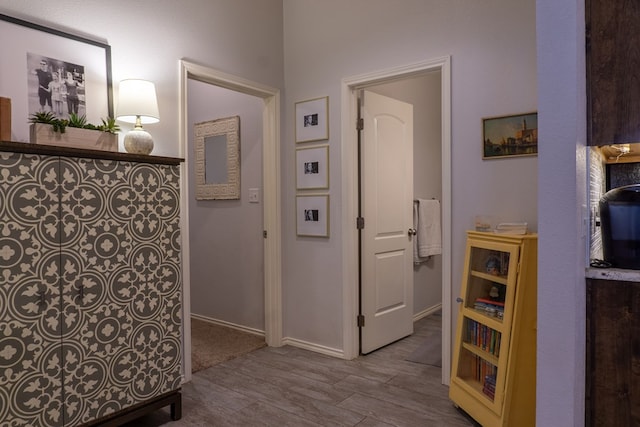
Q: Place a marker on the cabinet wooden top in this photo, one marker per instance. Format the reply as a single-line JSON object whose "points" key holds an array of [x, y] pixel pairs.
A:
{"points": [[22, 147], [489, 235]]}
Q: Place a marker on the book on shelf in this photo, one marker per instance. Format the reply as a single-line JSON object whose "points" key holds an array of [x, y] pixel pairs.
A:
{"points": [[486, 370], [489, 385], [494, 308], [490, 302], [482, 336]]}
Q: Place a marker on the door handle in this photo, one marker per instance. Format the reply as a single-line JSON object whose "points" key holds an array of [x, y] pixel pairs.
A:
{"points": [[412, 232]]}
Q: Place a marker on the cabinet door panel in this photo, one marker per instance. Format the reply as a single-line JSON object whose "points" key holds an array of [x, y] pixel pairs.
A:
{"points": [[484, 320], [30, 331], [612, 60], [121, 286], [613, 353]]}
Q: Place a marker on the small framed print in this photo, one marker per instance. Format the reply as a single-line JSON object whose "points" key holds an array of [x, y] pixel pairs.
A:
{"points": [[312, 168], [312, 121], [312, 215], [510, 136]]}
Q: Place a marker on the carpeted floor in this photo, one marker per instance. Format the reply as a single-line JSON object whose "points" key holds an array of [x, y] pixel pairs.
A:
{"points": [[212, 344]]}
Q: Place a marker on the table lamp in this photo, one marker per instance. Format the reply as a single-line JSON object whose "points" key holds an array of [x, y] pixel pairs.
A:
{"points": [[137, 103]]}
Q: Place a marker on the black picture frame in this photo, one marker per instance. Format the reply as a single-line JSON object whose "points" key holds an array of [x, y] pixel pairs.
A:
{"points": [[29, 38]]}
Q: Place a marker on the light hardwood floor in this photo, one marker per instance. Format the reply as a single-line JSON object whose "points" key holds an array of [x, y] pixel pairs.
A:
{"points": [[288, 386]]}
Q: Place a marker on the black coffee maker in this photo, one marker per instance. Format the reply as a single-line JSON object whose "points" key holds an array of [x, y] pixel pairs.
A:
{"points": [[620, 225]]}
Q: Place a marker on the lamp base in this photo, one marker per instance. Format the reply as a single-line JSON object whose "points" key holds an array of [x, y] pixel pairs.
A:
{"points": [[138, 141]]}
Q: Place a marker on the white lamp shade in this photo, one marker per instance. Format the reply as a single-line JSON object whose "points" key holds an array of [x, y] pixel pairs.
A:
{"points": [[137, 98]]}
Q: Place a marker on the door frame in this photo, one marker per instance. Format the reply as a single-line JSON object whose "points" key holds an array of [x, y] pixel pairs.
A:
{"points": [[351, 273], [271, 197]]}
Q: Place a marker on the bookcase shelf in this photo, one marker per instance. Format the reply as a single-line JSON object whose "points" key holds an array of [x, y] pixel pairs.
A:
{"points": [[481, 353], [493, 374], [482, 317], [497, 279]]}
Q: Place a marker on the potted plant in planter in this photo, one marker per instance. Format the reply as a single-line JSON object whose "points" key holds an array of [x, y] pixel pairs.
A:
{"points": [[75, 132]]}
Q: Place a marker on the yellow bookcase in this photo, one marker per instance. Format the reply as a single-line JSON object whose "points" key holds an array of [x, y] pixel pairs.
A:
{"points": [[493, 376]]}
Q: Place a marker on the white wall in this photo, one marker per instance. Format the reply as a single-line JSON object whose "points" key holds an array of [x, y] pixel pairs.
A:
{"points": [[148, 38], [424, 93], [562, 193], [493, 54], [226, 235]]}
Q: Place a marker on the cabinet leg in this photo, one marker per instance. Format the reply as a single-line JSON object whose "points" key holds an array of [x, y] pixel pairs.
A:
{"points": [[176, 408]]}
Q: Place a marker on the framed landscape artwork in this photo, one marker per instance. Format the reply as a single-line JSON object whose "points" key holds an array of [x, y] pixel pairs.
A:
{"points": [[508, 136]]}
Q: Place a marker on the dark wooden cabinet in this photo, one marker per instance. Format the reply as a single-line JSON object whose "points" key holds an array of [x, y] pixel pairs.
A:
{"points": [[613, 353], [613, 79]]}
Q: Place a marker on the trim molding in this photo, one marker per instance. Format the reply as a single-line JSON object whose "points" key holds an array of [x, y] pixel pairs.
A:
{"points": [[241, 328], [427, 312], [333, 352], [271, 201]]}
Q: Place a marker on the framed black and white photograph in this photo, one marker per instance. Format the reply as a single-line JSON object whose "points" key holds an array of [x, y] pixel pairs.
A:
{"points": [[312, 168], [49, 70], [312, 215], [312, 121], [58, 86]]}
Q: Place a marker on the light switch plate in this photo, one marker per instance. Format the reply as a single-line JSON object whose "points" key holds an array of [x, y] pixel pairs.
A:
{"points": [[254, 195]]}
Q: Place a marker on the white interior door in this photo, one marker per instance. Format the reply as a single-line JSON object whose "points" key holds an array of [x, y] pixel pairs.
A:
{"points": [[387, 208]]}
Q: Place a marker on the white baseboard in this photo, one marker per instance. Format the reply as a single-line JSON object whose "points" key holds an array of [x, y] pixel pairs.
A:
{"points": [[333, 352], [328, 351], [426, 312], [253, 331]]}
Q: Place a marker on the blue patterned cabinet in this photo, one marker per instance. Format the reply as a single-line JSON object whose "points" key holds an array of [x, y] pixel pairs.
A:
{"points": [[90, 288]]}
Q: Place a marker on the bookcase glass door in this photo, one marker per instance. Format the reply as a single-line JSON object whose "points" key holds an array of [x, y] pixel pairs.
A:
{"points": [[485, 317]]}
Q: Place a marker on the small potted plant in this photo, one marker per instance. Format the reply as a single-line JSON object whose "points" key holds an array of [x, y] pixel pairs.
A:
{"points": [[75, 132]]}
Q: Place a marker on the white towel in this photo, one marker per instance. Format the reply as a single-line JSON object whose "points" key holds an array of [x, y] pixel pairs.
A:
{"points": [[416, 216], [429, 237]]}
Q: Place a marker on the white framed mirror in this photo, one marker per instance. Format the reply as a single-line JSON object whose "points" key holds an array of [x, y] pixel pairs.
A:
{"points": [[217, 159]]}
